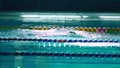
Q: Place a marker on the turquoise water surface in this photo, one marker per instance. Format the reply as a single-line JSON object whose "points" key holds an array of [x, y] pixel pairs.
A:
{"points": [[16, 53]]}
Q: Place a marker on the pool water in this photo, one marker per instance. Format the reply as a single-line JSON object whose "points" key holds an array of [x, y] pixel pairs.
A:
{"points": [[59, 45]]}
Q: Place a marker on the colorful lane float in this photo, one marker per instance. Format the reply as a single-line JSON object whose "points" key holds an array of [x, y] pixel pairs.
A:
{"points": [[87, 29]]}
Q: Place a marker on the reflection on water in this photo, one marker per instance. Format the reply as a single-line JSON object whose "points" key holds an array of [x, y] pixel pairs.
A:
{"points": [[55, 62]]}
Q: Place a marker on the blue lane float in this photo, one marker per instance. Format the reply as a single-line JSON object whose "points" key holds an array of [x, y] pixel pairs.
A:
{"points": [[59, 40], [59, 54]]}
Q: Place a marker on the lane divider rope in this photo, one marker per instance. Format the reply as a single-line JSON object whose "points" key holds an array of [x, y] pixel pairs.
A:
{"points": [[89, 29], [54, 40], [59, 54]]}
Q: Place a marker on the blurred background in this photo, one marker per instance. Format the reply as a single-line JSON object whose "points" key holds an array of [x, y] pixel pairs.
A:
{"points": [[60, 5]]}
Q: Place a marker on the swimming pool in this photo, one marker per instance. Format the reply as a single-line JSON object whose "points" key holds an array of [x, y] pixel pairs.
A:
{"points": [[59, 40]]}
